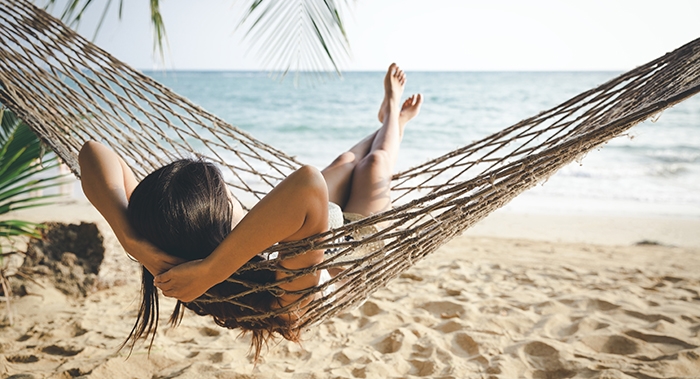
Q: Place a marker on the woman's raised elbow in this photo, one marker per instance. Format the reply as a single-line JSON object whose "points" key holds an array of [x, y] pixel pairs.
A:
{"points": [[310, 178], [88, 151]]}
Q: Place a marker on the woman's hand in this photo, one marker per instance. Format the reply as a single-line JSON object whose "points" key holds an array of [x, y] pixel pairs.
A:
{"points": [[186, 281], [154, 259]]}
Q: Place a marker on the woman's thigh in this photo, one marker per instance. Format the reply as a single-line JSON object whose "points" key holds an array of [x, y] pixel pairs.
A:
{"points": [[371, 181]]}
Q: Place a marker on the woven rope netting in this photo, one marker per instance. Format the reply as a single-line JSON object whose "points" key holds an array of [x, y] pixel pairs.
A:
{"points": [[69, 91]]}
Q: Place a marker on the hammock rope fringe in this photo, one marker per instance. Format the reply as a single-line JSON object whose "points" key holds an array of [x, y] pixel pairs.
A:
{"points": [[70, 91]]}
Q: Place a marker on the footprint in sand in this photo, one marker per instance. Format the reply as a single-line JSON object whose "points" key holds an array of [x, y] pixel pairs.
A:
{"points": [[422, 367], [352, 355], [370, 308], [22, 359], [66, 351], [691, 319], [647, 317], [209, 332], [424, 348], [666, 344], [464, 345], [601, 305], [541, 350], [546, 360], [395, 341], [216, 357], [449, 326], [584, 325], [695, 329], [590, 304], [444, 309], [78, 330], [618, 345]]}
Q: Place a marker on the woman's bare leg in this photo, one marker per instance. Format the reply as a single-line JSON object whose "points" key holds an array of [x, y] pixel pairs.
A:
{"points": [[371, 177], [338, 174]]}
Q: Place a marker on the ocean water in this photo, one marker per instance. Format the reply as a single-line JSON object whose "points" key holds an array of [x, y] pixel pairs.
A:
{"points": [[654, 169]]}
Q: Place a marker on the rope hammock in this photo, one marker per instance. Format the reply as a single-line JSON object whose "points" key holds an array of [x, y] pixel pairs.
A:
{"points": [[70, 91]]}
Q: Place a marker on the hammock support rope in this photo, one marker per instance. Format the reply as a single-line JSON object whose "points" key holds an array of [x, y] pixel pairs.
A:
{"points": [[69, 91]]}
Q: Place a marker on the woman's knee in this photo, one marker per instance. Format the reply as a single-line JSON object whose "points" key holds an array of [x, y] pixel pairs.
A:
{"points": [[347, 157], [377, 162]]}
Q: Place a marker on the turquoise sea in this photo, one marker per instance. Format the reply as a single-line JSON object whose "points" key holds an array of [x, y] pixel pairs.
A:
{"points": [[655, 169]]}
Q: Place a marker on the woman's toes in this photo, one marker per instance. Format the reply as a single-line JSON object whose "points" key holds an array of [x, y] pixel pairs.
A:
{"points": [[418, 100], [411, 107]]}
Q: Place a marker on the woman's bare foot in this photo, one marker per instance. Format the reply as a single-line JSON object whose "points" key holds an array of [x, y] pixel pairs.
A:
{"points": [[394, 83], [409, 109]]}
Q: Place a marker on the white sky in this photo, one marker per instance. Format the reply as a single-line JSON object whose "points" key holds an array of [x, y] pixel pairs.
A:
{"points": [[427, 35]]}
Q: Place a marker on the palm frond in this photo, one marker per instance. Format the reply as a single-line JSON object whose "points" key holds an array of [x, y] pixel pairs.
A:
{"points": [[5, 183], [298, 35], [7, 197], [158, 28], [23, 172], [28, 202], [102, 17], [74, 11], [289, 35], [14, 228]]}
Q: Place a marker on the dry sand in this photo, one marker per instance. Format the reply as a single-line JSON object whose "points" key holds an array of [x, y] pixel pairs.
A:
{"points": [[530, 296]]}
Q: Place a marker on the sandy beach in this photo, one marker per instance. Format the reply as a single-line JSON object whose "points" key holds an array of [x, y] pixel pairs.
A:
{"points": [[517, 296]]}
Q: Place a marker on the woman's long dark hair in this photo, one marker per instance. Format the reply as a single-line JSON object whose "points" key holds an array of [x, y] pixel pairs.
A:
{"points": [[184, 209]]}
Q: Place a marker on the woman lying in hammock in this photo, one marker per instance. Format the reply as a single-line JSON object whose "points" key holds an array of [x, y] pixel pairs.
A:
{"points": [[186, 210]]}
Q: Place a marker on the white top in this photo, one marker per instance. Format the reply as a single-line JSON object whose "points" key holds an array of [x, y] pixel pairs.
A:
{"points": [[335, 216]]}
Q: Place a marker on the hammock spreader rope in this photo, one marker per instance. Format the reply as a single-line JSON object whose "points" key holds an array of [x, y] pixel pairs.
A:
{"points": [[69, 91]]}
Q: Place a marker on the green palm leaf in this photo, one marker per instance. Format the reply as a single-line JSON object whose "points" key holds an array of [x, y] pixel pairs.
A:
{"points": [[22, 172], [298, 35], [288, 35], [74, 11], [4, 183], [15, 228]]}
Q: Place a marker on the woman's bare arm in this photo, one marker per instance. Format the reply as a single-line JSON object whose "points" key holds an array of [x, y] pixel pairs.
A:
{"points": [[297, 208], [108, 183]]}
